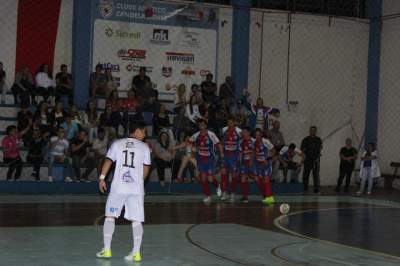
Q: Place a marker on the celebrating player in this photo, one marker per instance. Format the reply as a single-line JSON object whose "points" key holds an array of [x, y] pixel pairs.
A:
{"points": [[132, 165], [264, 150], [246, 164], [231, 140]]}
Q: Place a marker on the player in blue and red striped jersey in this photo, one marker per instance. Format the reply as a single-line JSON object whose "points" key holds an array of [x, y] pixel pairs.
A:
{"points": [[205, 144], [263, 151], [230, 165], [246, 148]]}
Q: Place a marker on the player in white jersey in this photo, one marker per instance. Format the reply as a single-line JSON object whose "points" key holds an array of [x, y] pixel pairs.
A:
{"points": [[132, 165]]}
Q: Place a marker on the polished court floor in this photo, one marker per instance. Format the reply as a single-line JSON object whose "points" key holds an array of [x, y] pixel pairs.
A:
{"points": [[180, 230]]}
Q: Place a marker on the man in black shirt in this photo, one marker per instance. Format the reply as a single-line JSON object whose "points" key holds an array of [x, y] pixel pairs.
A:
{"points": [[311, 147], [348, 156], [64, 84], [139, 81], [209, 89], [80, 156], [35, 153]]}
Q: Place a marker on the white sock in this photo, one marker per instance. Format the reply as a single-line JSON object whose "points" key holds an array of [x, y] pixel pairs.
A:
{"points": [[108, 230], [137, 230]]}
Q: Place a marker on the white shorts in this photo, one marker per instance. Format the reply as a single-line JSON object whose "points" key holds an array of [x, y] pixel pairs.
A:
{"points": [[134, 206]]}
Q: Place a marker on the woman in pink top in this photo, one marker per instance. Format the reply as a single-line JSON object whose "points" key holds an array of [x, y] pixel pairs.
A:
{"points": [[11, 156]]}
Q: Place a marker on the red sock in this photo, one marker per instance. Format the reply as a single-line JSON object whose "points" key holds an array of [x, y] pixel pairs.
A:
{"points": [[224, 181], [244, 187], [215, 182], [234, 183], [206, 188], [260, 185], [268, 192]]}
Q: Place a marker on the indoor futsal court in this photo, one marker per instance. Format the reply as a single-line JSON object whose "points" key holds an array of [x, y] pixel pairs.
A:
{"points": [[179, 230]]}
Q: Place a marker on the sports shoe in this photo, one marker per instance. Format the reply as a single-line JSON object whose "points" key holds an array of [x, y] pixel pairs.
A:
{"points": [[133, 257], [268, 200], [207, 199], [244, 200], [104, 253], [369, 193], [232, 197], [219, 191], [50, 178], [224, 196], [68, 179]]}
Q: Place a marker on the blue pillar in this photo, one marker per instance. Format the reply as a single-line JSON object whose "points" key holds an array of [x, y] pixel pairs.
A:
{"points": [[240, 44], [374, 52], [81, 53]]}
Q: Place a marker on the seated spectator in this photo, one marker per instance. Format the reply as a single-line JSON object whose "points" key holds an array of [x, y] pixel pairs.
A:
{"points": [[287, 163], [42, 113], [110, 85], [209, 89], [80, 147], [98, 82], [161, 120], [23, 86], [227, 90], [99, 148], [193, 112], [195, 91], [348, 157], [90, 119], [116, 107], [24, 118], [241, 114], [57, 116], [11, 154], [164, 157], [75, 114], [139, 81], [35, 156], [2, 81], [369, 168], [186, 159], [70, 126], [180, 98], [64, 84], [131, 108], [44, 82], [59, 154], [105, 118]]}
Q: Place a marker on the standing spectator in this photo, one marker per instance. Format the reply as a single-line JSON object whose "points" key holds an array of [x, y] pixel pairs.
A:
{"points": [[180, 98], [2, 81], [57, 116], [369, 168], [311, 147], [131, 108], [348, 157], [35, 153], [42, 113], [99, 148], [80, 156], [195, 91], [98, 82], [139, 81], [44, 82], [23, 86], [116, 107], [221, 113], [161, 120], [148, 98], [111, 85], [24, 117], [70, 126], [164, 157], [64, 84], [11, 154], [209, 89], [227, 90], [59, 154], [287, 163], [241, 114], [276, 137], [91, 119]]}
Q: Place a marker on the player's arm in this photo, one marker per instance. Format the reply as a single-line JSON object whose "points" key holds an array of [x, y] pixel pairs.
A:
{"points": [[146, 171], [146, 163], [107, 163]]}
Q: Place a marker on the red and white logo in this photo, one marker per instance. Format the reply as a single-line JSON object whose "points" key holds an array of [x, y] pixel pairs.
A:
{"points": [[204, 72], [132, 54]]}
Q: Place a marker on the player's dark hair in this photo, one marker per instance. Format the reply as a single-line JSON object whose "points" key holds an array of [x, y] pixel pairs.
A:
{"points": [[10, 128], [314, 127], [247, 128], [202, 121], [135, 126], [257, 130], [292, 146]]}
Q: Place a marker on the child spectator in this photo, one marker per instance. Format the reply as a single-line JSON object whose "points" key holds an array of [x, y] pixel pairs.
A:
{"points": [[59, 154], [35, 153]]}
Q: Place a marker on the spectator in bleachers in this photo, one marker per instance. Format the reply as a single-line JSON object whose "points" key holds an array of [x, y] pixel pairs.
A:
{"points": [[24, 117], [116, 107], [99, 148], [98, 82], [42, 113], [80, 151], [110, 85], [105, 118], [90, 119], [59, 148], [222, 113], [23, 86], [209, 89], [148, 97], [36, 148], [196, 91], [276, 137], [57, 116], [139, 81], [131, 109], [227, 90], [44, 82], [70, 126], [164, 157], [11, 154], [2, 80], [193, 113], [75, 114], [64, 84], [187, 161], [161, 120], [241, 114], [369, 168], [180, 98], [287, 163]]}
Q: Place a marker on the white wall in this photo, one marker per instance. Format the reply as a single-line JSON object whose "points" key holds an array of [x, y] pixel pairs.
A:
{"points": [[224, 44], [328, 71], [390, 7]]}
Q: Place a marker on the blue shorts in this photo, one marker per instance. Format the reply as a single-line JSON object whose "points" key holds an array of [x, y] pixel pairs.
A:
{"points": [[230, 164], [263, 170], [206, 167], [246, 170]]}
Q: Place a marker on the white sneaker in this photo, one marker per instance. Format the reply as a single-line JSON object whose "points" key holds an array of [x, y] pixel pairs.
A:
{"points": [[50, 179], [207, 199], [68, 179], [232, 198], [224, 196], [219, 191]]}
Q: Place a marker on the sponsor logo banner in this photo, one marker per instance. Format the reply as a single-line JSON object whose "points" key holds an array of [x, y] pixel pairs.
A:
{"points": [[204, 72], [188, 72], [186, 58], [117, 33], [106, 65], [190, 39], [132, 54], [135, 68], [160, 36]]}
